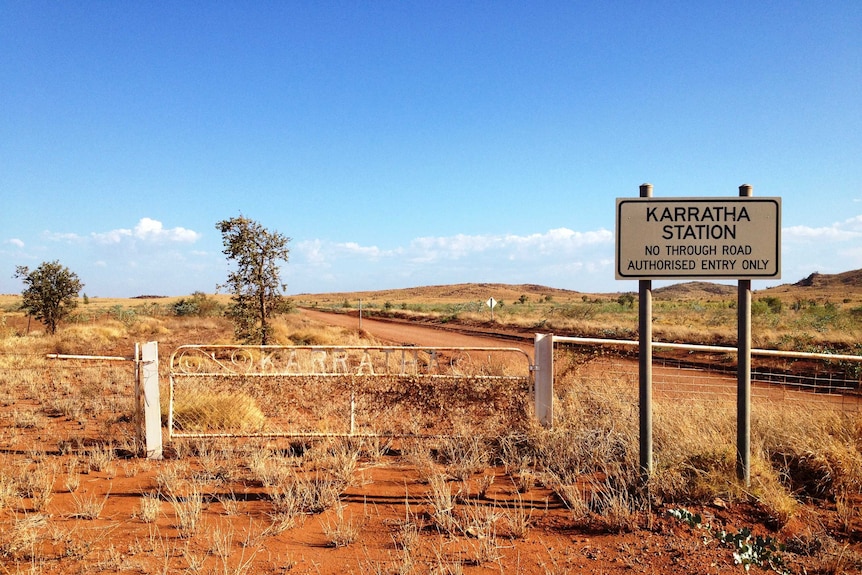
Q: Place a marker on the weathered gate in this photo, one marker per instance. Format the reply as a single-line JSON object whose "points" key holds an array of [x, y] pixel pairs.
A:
{"points": [[309, 391]]}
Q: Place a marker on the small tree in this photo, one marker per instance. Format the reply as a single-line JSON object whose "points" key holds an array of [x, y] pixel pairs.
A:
{"points": [[198, 304], [626, 299], [256, 283], [51, 292]]}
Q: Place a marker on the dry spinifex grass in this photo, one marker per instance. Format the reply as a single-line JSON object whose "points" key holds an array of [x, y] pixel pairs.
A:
{"points": [[590, 458], [795, 450]]}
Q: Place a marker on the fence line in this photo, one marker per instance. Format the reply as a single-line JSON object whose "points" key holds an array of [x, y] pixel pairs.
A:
{"points": [[348, 392], [90, 357], [708, 373], [713, 348], [89, 398], [146, 417]]}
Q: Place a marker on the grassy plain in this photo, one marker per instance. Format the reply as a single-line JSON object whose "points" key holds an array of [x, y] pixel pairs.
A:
{"points": [[819, 313], [74, 497]]}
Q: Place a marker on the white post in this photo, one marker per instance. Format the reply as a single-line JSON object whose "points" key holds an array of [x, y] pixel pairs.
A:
{"points": [[352, 412], [152, 408], [544, 378], [139, 412]]}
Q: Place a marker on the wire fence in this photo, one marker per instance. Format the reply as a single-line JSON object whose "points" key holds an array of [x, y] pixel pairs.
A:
{"points": [[799, 402], [93, 399], [50, 403], [704, 374]]}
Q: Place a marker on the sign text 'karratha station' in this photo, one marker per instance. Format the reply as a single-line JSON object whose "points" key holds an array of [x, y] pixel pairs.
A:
{"points": [[720, 238]]}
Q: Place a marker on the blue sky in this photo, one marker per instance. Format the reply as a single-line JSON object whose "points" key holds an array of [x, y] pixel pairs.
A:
{"points": [[410, 143]]}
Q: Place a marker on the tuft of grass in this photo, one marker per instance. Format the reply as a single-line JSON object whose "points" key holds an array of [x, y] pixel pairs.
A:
{"points": [[8, 489], [339, 530], [38, 485], [84, 338], [20, 539], [188, 510], [442, 503], [26, 419], [88, 506], [616, 507], [149, 508], [464, 455], [101, 458], [205, 411]]}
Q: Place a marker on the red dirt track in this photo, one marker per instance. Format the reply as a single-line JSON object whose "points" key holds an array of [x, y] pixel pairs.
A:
{"points": [[401, 332]]}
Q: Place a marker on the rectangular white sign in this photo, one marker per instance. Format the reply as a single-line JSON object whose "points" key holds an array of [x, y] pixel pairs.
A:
{"points": [[698, 238]]}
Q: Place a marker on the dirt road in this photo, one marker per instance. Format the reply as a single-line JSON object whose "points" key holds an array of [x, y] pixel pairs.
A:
{"points": [[402, 333], [670, 381]]}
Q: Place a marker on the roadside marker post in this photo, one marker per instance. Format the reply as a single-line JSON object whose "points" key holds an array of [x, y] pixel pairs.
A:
{"points": [[697, 238], [491, 303]]}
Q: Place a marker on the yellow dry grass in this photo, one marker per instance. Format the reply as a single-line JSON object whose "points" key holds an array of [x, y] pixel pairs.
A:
{"points": [[234, 412], [797, 451]]}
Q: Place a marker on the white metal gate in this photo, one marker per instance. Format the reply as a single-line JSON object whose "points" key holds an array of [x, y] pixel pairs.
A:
{"points": [[310, 391]]}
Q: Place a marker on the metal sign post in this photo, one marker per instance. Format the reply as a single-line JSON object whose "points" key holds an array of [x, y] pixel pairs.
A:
{"points": [[743, 371], [645, 364], [698, 238]]}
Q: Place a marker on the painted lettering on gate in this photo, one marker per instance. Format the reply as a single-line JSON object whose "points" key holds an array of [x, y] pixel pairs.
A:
{"points": [[356, 361]]}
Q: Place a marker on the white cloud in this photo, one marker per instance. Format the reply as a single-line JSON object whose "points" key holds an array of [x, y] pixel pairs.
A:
{"points": [[67, 237], [312, 251], [432, 249], [147, 230], [452, 247], [352, 248], [321, 253], [848, 229], [152, 230], [561, 240], [111, 237], [15, 242]]}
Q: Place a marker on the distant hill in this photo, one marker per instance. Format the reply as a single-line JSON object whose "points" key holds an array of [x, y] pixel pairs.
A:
{"points": [[851, 279], [843, 287], [455, 293], [846, 286], [695, 291]]}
